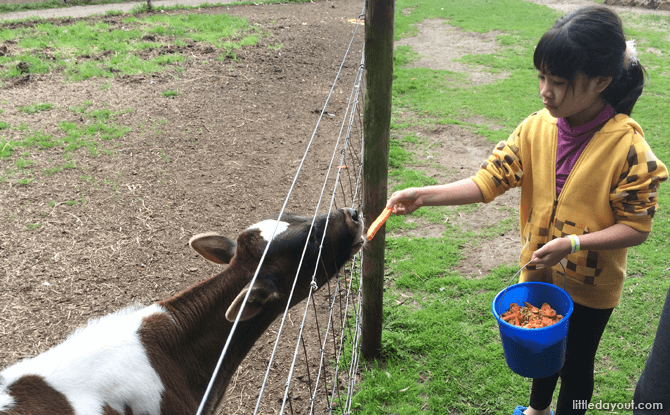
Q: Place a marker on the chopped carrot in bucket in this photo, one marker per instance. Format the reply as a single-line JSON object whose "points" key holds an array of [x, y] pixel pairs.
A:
{"points": [[531, 317]]}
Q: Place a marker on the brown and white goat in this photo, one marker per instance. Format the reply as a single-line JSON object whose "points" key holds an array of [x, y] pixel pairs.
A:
{"points": [[159, 359]]}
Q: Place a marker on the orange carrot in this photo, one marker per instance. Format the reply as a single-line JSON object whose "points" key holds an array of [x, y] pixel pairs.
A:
{"points": [[530, 316], [372, 230]]}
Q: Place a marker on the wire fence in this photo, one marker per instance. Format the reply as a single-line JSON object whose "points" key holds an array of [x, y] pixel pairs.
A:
{"points": [[319, 363]]}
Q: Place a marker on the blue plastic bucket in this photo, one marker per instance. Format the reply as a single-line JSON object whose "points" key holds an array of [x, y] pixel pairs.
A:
{"points": [[534, 353]]}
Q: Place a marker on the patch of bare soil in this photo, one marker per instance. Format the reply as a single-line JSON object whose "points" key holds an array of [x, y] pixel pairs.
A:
{"points": [[439, 46]]}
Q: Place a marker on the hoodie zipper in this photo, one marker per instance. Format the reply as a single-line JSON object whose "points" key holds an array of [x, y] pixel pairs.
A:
{"points": [[553, 210], [567, 179]]}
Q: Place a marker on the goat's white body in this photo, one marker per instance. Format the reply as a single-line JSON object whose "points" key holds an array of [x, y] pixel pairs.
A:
{"points": [[6, 401], [102, 363]]}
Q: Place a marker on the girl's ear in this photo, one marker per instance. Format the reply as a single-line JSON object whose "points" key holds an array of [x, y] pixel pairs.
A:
{"points": [[602, 82]]}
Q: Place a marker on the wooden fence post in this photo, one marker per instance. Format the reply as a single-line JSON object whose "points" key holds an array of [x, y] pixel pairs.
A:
{"points": [[379, 19]]}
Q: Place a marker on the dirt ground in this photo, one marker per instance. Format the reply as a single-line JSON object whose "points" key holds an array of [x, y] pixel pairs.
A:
{"points": [[218, 157]]}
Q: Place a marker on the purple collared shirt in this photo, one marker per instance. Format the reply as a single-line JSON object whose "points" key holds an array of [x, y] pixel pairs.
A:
{"points": [[571, 142]]}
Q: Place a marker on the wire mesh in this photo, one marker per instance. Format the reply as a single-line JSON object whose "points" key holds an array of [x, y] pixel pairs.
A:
{"points": [[331, 387]]}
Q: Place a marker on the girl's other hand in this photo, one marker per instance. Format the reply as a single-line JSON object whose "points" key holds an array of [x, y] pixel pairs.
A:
{"points": [[404, 201], [551, 253]]}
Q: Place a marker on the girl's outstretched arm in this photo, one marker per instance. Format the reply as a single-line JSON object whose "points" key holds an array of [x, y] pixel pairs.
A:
{"points": [[462, 192], [617, 236]]}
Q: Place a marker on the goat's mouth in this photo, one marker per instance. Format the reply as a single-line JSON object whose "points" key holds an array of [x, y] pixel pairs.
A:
{"points": [[358, 244]]}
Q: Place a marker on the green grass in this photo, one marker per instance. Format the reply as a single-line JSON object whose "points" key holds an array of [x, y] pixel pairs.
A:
{"points": [[170, 94], [97, 127], [36, 108], [440, 345], [74, 136], [84, 50]]}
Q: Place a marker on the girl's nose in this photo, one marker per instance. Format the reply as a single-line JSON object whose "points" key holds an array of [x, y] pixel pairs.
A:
{"points": [[545, 92]]}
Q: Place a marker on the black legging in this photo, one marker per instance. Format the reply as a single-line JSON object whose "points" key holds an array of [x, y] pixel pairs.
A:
{"points": [[654, 384], [586, 327]]}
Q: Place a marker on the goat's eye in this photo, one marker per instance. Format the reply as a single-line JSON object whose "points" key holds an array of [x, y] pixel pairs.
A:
{"points": [[354, 216]]}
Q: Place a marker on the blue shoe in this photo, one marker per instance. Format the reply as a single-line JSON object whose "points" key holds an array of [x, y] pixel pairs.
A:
{"points": [[519, 410]]}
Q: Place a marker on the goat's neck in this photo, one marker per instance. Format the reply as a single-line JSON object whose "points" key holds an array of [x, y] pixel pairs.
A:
{"points": [[201, 331]]}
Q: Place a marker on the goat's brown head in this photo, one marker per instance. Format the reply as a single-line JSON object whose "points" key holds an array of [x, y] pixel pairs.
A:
{"points": [[293, 236]]}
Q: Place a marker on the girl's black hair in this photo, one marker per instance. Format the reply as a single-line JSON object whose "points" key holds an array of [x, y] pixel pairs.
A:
{"points": [[591, 40]]}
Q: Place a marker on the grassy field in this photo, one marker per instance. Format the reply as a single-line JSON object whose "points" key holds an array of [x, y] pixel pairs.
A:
{"points": [[444, 356], [117, 46]]}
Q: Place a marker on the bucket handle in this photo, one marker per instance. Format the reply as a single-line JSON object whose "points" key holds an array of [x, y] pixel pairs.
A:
{"points": [[512, 279]]}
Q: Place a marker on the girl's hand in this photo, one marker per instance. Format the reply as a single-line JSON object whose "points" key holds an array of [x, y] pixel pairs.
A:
{"points": [[404, 201], [461, 192], [551, 253]]}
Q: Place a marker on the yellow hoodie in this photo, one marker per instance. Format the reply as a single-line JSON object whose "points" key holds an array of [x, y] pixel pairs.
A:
{"points": [[615, 180]]}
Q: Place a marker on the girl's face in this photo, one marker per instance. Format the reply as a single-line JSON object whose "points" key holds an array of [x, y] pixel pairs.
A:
{"points": [[578, 103]]}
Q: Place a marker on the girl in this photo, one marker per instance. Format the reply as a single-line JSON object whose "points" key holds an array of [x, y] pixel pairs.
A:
{"points": [[589, 185]]}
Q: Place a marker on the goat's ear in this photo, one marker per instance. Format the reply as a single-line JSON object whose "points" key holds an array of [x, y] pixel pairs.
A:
{"points": [[262, 293], [214, 247]]}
